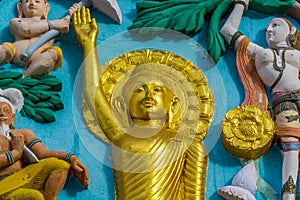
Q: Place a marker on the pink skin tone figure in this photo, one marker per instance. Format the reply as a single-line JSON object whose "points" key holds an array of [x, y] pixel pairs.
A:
{"points": [[28, 27]]}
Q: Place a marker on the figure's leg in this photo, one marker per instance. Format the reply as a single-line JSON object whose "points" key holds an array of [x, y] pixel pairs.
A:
{"points": [[47, 176], [54, 184], [7, 52], [50, 59], [290, 148], [288, 123], [25, 194], [55, 172]]}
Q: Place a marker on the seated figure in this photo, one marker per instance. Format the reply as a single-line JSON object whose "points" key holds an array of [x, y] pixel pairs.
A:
{"points": [[28, 27], [20, 179]]}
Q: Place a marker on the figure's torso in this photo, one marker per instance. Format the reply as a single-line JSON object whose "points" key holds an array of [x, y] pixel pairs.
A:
{"points": [[148, 168], [287, 59], [22, 42]]}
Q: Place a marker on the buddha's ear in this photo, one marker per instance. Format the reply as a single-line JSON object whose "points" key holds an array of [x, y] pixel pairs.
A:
{"points": [[19, 10], [120, 111], [47, 9], [174, 116]]}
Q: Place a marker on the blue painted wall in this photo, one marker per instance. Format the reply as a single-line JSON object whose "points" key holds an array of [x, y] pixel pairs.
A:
{"points": [[69, 134]]}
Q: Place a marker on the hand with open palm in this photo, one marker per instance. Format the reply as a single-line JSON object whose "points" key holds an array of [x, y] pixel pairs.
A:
{"points": [[86, 29]]}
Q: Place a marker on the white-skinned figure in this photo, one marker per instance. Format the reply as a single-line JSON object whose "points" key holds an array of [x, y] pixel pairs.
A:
{"points": [[277, 66]]}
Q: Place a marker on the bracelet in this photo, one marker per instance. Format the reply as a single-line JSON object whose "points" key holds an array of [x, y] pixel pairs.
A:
{"points": [[242, 3], [235, 36], [10, 157], [50, 25], [68, 156], [32, 142]]}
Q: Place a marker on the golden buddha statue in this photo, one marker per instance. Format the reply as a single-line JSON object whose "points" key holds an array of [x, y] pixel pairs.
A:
{"points": [[154, 109]]}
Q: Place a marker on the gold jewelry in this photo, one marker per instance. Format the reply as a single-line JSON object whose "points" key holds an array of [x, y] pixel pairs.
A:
{"points": [[289, 186], [292, 38]]}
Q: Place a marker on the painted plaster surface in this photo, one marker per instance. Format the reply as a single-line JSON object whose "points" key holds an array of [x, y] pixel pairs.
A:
{"points": [[68, 132]]}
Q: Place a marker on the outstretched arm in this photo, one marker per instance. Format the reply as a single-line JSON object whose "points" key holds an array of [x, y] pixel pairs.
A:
{"points": [[29, 28], [86, 31], [231, 25]]}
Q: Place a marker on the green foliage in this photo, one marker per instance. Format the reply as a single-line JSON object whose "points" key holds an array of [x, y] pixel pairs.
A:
{"points": [[215, 43], [271, 6], [41, 94], [186, 16]]}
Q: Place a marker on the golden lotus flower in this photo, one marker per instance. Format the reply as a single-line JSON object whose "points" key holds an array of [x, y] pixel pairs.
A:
{"points": [[247, 132]]}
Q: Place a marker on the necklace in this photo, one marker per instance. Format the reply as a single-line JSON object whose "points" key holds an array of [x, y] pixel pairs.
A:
{"points": [[277, 50], [275, 66]]}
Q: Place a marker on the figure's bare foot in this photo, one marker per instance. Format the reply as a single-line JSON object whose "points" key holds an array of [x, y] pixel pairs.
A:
{"points": [[235, 193], [287, 196]]}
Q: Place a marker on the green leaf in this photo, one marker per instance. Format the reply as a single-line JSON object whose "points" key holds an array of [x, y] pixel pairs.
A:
{"points": [[27, 81], [38, 118], [29, 111], [56, 102], [17, 86], [28, 102], [5, 82], [178, 15], [32, 98], [215, 42], [46, 114], [41, 95], [271, 6], [10, 74], [41, 87], [44, 105], [54, 83]]}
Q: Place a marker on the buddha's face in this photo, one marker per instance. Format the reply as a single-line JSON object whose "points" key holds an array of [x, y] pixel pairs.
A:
{"points": [[34, 8], [150, 101], [277, 32]]}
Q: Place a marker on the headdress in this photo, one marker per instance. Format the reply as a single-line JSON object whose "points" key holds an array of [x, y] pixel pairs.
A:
{"points": [[12, 97]]}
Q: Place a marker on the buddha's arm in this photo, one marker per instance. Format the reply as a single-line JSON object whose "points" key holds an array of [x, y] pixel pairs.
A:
{"points": [[195, 171], [86, 31]]}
